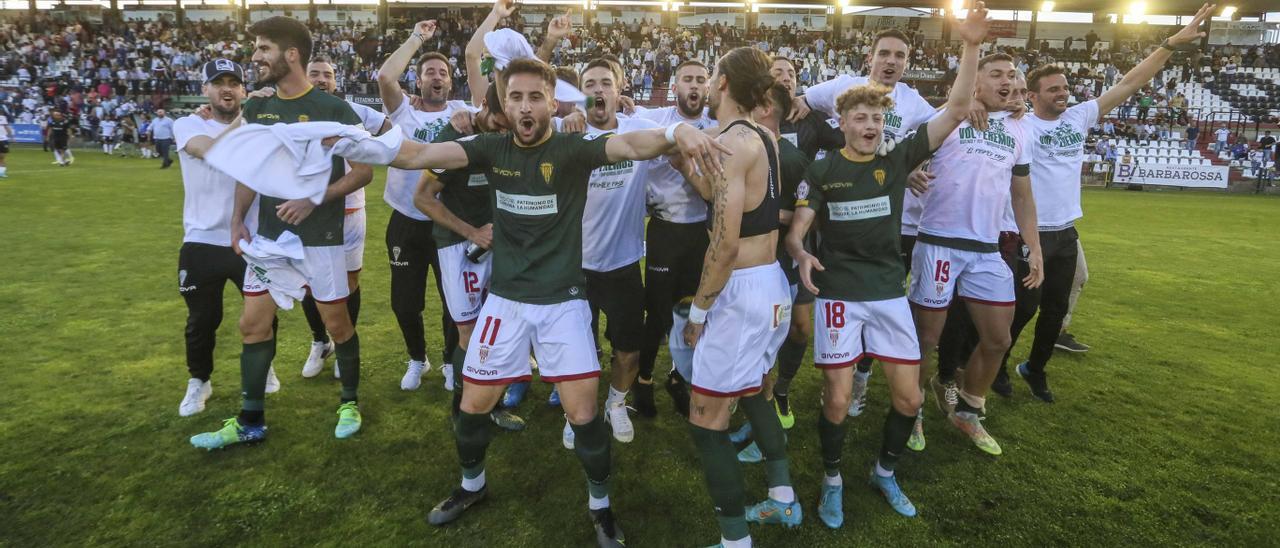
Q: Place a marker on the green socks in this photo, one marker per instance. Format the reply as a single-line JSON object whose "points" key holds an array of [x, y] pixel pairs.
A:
{"points": [[471, 434], [349, 363], [255, 360], [897, 429], [724, 480], [832, 435], [591, 443], [770, 437]]}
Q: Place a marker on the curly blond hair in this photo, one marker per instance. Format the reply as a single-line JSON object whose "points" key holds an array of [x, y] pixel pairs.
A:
{"points": [[871, 94]]}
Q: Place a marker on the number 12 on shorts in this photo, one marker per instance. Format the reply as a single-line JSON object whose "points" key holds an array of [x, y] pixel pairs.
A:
{"points": [[489, 337]]}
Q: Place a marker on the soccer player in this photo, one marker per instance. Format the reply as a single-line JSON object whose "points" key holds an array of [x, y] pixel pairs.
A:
{"points": [[613, 243], [538, 185], [458, 201], [792, 164], [1057, 134], [320, 72], [107, 131], [856, 198], [59, 134], [411, 250], [6, 131], [810, 137], [206, 261], [742, 308], [675, 241], [957, 247], [282, 49], [888, 60]]}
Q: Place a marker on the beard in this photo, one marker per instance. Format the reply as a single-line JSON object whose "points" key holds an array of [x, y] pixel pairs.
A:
{"points": [[688, 110], [277, 69], [540, 127], [225, 113]]}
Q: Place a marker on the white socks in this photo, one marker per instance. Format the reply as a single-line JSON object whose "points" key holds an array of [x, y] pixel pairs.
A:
{"points": [[473, 484], [597, 503], [615, 396], [880, 471], [861, 375], [784, 494], [744, 542], [57, 156], [833, 480]]}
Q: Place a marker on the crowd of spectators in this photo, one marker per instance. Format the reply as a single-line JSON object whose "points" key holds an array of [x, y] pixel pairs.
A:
{"points": [[130, 69]]}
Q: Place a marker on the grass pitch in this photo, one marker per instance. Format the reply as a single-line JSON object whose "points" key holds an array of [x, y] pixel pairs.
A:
{"points": [[1165, 434]]}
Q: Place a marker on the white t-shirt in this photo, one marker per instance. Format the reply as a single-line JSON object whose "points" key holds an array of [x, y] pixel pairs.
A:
{"points": [[974, 169], [613, 221], [371, 119], [106, 128], [669, 196], [908, 112], [4, 128], [1057, 155], [423, 128], [208, 194], [1222, 133]]}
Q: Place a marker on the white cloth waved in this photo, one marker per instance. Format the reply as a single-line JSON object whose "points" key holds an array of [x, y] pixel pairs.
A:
{"points": [[506, 45], [282, 160], [269, 260], [366, 149]]}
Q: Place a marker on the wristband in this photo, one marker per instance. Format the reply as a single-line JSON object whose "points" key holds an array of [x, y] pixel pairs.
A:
{"points": [[697, 315], [671, 135], [421, 37]]}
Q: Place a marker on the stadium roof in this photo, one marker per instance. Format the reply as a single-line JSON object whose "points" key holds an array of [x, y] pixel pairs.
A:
{"points": [[1154, 7]]}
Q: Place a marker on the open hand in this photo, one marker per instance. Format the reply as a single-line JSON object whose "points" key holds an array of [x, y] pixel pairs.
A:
{"points": [[295, 211]]}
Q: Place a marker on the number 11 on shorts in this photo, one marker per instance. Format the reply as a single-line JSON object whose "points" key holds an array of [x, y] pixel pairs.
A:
{"points": [[487, 337]]}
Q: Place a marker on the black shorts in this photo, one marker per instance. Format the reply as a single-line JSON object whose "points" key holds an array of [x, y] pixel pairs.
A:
{"points": [[60, 143], [201, 264], [108, 140], [803, 296], [620, 295], [4, 147], [908, 242]]}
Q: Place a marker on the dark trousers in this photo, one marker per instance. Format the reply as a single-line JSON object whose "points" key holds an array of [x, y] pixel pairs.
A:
{"points": [[673, 266], [412, 252], [1052, 298], [162, 147], [959, 335], [203, 271]]}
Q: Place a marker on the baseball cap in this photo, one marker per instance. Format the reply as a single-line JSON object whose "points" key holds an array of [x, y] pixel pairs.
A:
{"points": [[218, 67]]}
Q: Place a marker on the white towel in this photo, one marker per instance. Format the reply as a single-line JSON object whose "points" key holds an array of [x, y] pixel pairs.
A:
{"points": [[380, 150], [282, 160], [506, 45], [270, 260]]}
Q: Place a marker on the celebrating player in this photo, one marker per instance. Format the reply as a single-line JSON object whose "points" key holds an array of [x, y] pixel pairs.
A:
{"points": [[676, 241], [282, 48], [856, 198], [538, 183], [742, 308]]}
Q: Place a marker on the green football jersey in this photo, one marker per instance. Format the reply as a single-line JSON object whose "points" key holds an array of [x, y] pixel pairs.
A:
{"points": [[537, 195], [465, 194], [793, 164], [859, 219], [324, 226]]}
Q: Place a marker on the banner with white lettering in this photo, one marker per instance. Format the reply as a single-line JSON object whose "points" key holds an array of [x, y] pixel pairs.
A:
{"points": [[27, 133], [1173, 175]]}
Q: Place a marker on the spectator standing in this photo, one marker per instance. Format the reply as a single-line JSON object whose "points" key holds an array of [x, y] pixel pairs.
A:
{"points": [[1220, 135], [161, 131]]}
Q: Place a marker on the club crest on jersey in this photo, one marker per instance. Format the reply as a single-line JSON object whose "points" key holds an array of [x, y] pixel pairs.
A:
{"points": [[834, 334], [879, 175], [939, 286], [304, 118], [484, 353], [547, 169]]}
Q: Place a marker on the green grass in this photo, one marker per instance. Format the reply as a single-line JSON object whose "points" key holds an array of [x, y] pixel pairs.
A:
{"points": [[1167, 433]]}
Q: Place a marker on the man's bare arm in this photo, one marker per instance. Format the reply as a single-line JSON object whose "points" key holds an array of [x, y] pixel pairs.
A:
{"points": [[426, 199], [973, 30], [478, 83], [728, 197], [393, 68], [1138, 77], [199, 145]]}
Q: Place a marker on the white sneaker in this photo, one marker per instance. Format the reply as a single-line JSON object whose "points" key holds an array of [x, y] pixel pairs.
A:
{"points": [[447, 371], [566, 437], [273, 382], [413, 374], [198, 392], [616, 416], [320, 351]]}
